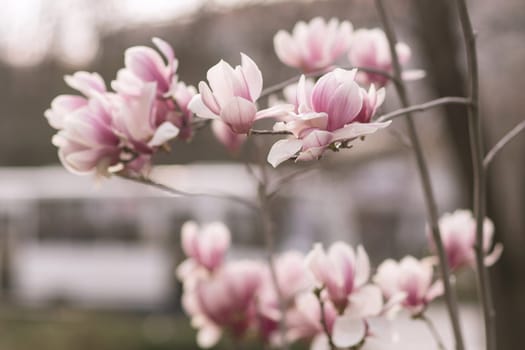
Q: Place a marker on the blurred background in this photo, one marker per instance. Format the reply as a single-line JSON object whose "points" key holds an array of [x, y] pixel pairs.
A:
{"points": [[88, 265]]}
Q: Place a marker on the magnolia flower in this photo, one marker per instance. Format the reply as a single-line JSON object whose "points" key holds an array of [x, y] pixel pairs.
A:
{"points": [[410, 282], [205, 247], [134, 118], [304, 321], [89, 84], [232, 94], [370, 49], [292, 279], [183, 116], [334, 112], [144, 65], [232, 141], [226, 301], [86, 141], [343, 275], [458, 233], [315, 45]]}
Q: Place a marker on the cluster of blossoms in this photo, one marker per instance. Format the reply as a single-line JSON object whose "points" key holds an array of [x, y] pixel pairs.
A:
{"points": [[330, 297], [106, 131], [327, 295]]}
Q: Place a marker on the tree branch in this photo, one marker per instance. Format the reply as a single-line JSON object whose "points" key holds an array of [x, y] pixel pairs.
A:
{"points": [[509, 136], [148, 182], [430, 201], [479, 200]]}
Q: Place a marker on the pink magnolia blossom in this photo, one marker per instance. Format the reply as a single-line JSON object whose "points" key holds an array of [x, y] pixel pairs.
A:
{"points": [[370, 49], [315, 45], [335, 111], [142, 136], [458, 233], [231, 140], [304, 320], [144, 65], [225, 301], [410, 281], [104, 130], [232, 94], [89, 84], [343, 275], [292, 279], [205, 247], [86, 142]]}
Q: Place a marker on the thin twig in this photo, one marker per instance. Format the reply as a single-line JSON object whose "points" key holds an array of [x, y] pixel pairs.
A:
{"points": [[324, 323], [402, 112], [479, 200], [269, 132], [432, 328], [279, 86], [176, 192], [509, 136], [423, 107], [289, 177], [430, 201], [269, 237]]}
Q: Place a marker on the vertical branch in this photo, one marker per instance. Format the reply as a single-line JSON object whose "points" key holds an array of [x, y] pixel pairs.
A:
{"points": [[476, 145], [430, 201], [269, 237]]}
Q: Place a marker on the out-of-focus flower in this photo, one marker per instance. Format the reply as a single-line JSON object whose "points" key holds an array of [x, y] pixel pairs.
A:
{"points": [[143, 65], [458, 233], [205, 247], [327, 116], [315, 45], [344, 275], [226, 302], [304, 321], [370, 49], [232, 94], [231, 140], [410, 281]]}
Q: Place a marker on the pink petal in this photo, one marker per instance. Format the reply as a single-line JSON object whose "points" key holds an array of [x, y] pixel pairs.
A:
{"points": [[362, 267], [283, 150], [278, 112], [198, 107], [348, 331], [493, 257], [165, 132], [166, 50], [365, 302], [239, 114], [86, 83], [286, 49], [354, 130], [208, 98], [252, 75]]}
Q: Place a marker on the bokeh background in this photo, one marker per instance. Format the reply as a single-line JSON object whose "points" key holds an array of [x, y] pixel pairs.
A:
{"points": [[88, 265]]}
